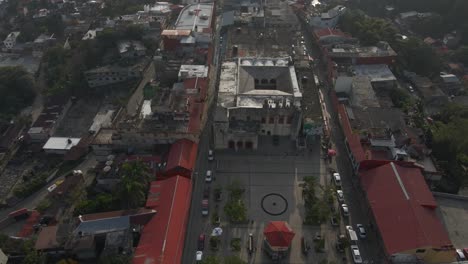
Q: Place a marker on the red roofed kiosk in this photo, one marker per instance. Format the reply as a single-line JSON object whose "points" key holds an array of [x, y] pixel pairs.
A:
{"points": [[278, 238]]}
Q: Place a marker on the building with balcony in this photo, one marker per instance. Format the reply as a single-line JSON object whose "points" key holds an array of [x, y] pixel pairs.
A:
{"points": [[257, 97]]}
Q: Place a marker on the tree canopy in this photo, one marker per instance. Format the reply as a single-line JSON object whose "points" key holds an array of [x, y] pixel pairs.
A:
{"points": [[16, 91], [134, 184], [450, 144], [413, 53]]}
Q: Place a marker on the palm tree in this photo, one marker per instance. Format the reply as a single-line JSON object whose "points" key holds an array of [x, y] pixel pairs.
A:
{"points": [[134, 184]]}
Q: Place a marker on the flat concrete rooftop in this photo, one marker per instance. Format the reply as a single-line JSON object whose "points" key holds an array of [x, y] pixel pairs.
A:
{"points": [[195, 15]]}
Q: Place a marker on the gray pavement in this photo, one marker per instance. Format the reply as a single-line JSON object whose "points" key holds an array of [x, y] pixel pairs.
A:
{"points": [[354, 196]]}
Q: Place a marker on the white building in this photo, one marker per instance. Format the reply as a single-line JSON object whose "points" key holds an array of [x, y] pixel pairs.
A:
{"points": [[328, 19], [257, 97], [60, 145], [10, 40], [192, 71]]}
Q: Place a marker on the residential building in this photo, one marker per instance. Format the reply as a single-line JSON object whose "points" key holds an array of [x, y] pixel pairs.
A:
{"points": [[115, 73], [42, 43], [192, 71], [403, 210], [131, 49], [60, 145], [328, 19], [193, 29], [380, 75], [10, 40], [344, 55], [92, 33], [327, 37], [256, 97], [52, 114], [450, 84]]}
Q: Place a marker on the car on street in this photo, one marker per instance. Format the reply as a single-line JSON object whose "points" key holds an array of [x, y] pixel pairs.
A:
{"points": [[199, 256], [465, 252], [210, 155], [209, 176], [345, 210], [356, 254], [361, 231], [201, 242], [304, 53], [411, 89], [205, 207], [340, 196], [460, 256], [337, 179]]}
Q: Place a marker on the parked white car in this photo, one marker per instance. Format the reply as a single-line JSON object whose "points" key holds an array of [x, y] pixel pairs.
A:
{"points": [[356, 254], [210, 155], [337, 179], [345, 210], [209, 176], [340, 196], [199, 255]]}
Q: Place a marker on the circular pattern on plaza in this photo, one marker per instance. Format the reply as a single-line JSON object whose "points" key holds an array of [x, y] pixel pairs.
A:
{"points": [[274, 204]]}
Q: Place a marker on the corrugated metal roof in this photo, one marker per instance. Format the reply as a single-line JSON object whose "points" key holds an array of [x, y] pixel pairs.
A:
{"points": [[163, 238], [404, 208]]}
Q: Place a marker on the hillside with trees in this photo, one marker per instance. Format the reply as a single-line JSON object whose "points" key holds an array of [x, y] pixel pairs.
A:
{"points": [[16, 91]]}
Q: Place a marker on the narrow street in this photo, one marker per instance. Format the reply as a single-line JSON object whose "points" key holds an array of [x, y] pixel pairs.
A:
{"points": [[354, 196], [197, 224]]}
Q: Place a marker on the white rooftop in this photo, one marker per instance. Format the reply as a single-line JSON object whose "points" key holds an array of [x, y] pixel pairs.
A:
{"points": [[61, 143], [376, 73], [192, 71], [195, 15]]}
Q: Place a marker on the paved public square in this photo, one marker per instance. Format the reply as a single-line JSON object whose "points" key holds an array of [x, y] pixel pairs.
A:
{"points": [[271, 177]]}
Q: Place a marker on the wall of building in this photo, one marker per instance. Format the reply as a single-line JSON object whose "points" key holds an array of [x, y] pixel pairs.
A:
{"points": [[429, 255]]}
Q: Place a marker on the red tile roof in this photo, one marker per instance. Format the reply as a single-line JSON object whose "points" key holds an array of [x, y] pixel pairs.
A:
{"points": [[404, 208], [183, 154], [354, 141], [162, 239], [278, 234], [319, 33], [27, 229], [196, 111]]}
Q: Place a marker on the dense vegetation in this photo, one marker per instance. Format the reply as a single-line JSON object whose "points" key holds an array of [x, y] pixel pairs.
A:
{"points": [[452, 14], [413, 54], [450, 144], [16, 91], [129, 193], [66, 67]]}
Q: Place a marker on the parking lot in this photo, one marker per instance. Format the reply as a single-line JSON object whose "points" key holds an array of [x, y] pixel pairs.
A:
{"points": [[271, 178]]}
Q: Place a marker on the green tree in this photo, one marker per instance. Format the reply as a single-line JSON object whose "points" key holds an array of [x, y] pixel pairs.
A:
{"points": [[417, 56], [134, 184], [17, 90], [115, 259], [32, 256], [432, 26], [211, 260], [233, 260], [461, 55]]}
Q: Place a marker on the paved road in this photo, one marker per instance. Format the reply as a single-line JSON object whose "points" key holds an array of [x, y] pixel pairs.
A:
{"points": [[32, 201], [354, 197], [196, 223]]}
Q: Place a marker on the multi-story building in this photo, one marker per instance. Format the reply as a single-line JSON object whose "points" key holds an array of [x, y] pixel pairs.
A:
{"points": [[257, 97], [328, 19], [10, 40], [112, 74]]}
